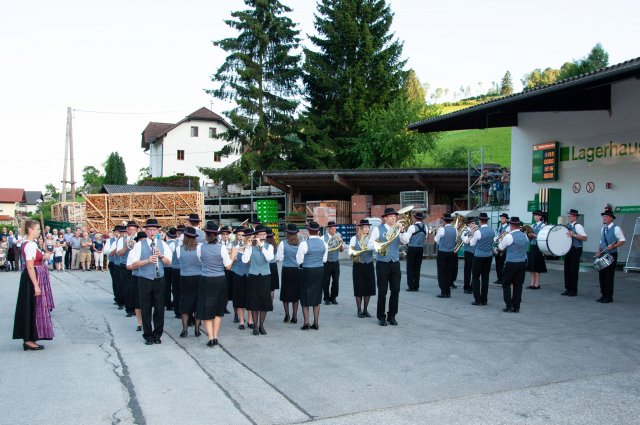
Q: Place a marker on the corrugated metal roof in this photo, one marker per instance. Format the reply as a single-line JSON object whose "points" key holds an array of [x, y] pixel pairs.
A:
{"points": [[132, 188]]}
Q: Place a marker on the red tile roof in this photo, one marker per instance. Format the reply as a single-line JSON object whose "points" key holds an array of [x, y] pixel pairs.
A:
{"points": [[153, 130], [12, 195], [6, 218]]}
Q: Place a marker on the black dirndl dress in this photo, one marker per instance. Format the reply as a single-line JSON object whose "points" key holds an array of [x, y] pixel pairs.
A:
{"points": [[364, 280], [239, 283], [311, 286], [290, 288], [535, 260], [275, 277], [212, 297], [259, 293], [189, 293]]}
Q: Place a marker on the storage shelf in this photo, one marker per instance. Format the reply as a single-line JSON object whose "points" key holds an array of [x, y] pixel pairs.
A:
{"points": [[234, 213], [242, 197]]}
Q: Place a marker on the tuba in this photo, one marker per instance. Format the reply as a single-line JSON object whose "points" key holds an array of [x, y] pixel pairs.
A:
{"points": [[404, 221], [335, 242], [354, 253], [460, 225]]}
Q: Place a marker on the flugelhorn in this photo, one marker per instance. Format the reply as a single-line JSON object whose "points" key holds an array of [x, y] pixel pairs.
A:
{"points": [[335, 242]]}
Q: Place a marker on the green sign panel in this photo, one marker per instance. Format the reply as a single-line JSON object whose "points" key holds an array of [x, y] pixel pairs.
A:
{"points": [[627, 209], [532, 206], [546, 157]]}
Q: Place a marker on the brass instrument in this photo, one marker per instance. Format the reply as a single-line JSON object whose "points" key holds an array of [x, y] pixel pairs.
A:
{"points": [[403, 222], [527, 230], [497, 240], [460, 225], [335, 242], [355, 253], [434, 230], [130, 242]]}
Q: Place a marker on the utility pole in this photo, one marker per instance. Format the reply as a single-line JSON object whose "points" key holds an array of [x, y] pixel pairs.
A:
{"points": [[70, 140], [63, 192]]}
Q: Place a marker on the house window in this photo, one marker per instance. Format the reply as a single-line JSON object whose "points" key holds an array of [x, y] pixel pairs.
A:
{"points": [[180, 174], [194, 131], [180, 155], [217, 157], [212, 132]]}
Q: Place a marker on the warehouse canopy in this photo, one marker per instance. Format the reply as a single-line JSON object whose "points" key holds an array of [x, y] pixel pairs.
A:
{"points": [[330, 183], [132, 188], [586, 92]]}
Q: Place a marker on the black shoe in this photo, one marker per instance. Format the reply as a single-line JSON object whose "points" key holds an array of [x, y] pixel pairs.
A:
{"points": [[506, 309], [411, 290], [262, 331], [184, 334], [442, 296], [573, 294], [535, 287], [315, 327], [516, 309], [468, 291], [38, 347], [530, 287], [599, 300], [453, 285], [120, 307], [170, 308], [448, 295], [361, 315], [255, 331], [286, 318], [148, 342], [382, 322], [334, 301], [305, 327], [484, 303], [327, 302], [198, 333], [476, 303], [392, 321], [566, 293], [226, 311], [250, 325], [138, 328], [366, 313], [236, 319], [294, 320], [241, 327], [607, 300], [129, 314], [210, 343], [157, 341], [498, 281]]}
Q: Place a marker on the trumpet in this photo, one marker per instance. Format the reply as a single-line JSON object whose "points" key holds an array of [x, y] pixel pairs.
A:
{"points": [[335, 242], [496, 242], [355, 253]]}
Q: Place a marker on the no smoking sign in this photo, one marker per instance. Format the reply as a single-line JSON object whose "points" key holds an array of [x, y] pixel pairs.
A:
{"points": [[576, 187], [590, 187]]}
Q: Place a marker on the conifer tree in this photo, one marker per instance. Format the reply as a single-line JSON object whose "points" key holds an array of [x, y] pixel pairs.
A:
{"points": [[115, 171]]}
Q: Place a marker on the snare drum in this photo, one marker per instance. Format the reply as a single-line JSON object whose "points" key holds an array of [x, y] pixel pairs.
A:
{"points": [[553, 240], [603, 262]]}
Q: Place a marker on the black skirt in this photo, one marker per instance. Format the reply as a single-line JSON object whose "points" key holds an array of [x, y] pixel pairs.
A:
{"points": [[229, 279], [364, 280], [311, 286], [212, 297], [290, 289], [275, 278], [136, 291], [259, 293], [535, 260], [24, 325], [239, 290], [189, 294]]}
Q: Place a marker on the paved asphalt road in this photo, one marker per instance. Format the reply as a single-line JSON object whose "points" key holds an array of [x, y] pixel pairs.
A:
{"points": [[560, 360]]}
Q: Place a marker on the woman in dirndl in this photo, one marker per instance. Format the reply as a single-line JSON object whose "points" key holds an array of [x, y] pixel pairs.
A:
{"points": [[212, 289], [257, 255], [311, 255], [35, 300], [190, 269], [273, 265], [290, 286], [364, 277], [535, 259]]}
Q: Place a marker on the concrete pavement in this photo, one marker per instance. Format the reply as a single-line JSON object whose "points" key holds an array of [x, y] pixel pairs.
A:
{"points": [[560, 360]]}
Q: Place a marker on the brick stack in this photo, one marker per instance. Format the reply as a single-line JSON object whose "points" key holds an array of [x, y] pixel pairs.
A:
{"points": [[360, 207]]}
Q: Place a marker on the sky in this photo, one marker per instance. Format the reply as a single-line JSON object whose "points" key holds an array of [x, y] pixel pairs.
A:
{"points": [[120, 64]]}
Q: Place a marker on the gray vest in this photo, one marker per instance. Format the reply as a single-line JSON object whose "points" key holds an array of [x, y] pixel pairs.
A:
{"points": [[469, 248], [189, 263], [149, 271], [484, 247], [258, 264], [367, 256], [211, 260], [574, 242], [417, 239], [393, 248], [290, 252], [238, 267], [111, 242], [448, 240], [175, 263], [607, 237], [517, 251], [331, 255], [315, 253], [124, 258]]}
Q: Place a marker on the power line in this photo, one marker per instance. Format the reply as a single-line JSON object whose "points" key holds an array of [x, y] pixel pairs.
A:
{"points": [[130, 113]]}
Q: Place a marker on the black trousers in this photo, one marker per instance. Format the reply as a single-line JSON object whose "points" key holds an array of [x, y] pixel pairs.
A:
{"points": [[127, 288], [454, 269], [468, 263], [331, 280], [500, 259], [571, 269], [481, 272], [606, 276], [388, 279], [168, 278], [414, 264], [67, 259], [175, 288], [513, 275], [446, 262], [112, 272], [152, 301], [117, 272]]}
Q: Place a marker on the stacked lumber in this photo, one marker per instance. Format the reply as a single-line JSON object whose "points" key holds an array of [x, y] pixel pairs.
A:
{"points": [[323, 212]]}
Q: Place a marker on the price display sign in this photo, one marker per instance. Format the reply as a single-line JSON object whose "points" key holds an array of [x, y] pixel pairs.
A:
{"points": [[545, 162]]}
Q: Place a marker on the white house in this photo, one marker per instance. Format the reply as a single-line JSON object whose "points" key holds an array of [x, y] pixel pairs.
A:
{"points": [[179, 149], [592, 121]]}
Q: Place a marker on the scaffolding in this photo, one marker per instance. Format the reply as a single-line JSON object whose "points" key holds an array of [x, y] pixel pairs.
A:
{"points": [[475, 164]]}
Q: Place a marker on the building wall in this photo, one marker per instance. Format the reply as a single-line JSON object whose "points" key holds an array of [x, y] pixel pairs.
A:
{"points": [[155, 159], [582, 130], [198, 151], [8, 208]]}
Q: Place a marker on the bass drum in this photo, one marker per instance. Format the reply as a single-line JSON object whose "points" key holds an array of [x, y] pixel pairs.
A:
{"points": [[553, 240]]}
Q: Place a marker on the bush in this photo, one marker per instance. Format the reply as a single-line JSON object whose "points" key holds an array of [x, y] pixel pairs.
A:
{"points": [[172, 181]]}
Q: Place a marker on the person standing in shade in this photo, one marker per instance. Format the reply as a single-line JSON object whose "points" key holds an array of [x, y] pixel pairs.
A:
{"points": [[535, 259], [388, 266], [311, 255], [212, 297], [364, 277], [258, 254], [125, 245], [611, 238], [149, 255], [168, 270], [331, 277], [273, 265], [194, 221], [117, 264], [515, 243], [175, 269], [109, 250], [415, 251], [135, 285], [482, 240], [572, 258], [447, 259], [290, 285], [503, 229], [468, 256], [225, 241], [98, 252], [190, 269]]}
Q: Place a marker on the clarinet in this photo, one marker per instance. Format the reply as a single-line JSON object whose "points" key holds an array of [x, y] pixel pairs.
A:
{"points": [[153, 249]]}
